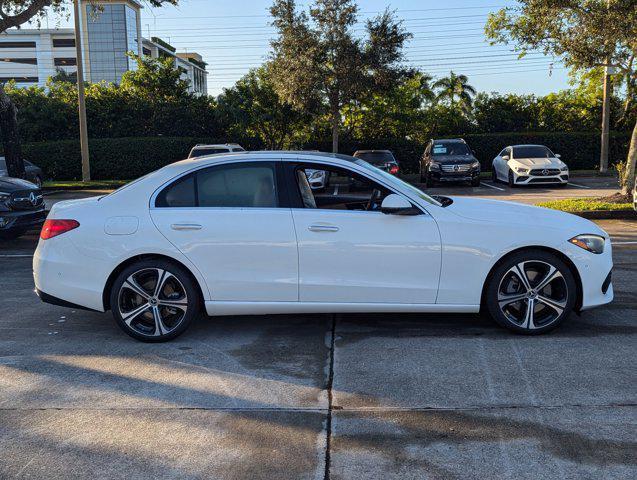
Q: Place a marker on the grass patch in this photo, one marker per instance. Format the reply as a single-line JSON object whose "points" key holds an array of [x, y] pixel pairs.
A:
{"points": [[585, 205], [77, 184]]}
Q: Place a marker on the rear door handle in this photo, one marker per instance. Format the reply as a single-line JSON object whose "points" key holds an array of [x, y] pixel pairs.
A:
{"points": [[186, 226], [322, 228]]}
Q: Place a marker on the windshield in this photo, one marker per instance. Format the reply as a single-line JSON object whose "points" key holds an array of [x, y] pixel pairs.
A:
{"points": [[201, 152], [397, 182], [376, 158], [455, 148], [532, 151]]}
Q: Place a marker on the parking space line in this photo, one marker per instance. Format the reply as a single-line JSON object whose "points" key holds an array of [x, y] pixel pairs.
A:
{"points": [[578, 185], [623, 243], [17, 255], [491, 186]]}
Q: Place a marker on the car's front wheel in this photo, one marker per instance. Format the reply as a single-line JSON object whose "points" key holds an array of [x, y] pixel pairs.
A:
{"points": [[511, 179], [154, 300], [531, 292]]}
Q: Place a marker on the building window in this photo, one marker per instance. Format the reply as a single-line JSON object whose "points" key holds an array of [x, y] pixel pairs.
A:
{"points": [[20, 79], [64, 42], [146, 51], [17, 44], [26, 61], [65, 62]]}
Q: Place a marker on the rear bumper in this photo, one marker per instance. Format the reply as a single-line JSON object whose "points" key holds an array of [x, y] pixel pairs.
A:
{"points": [[50, 299]]}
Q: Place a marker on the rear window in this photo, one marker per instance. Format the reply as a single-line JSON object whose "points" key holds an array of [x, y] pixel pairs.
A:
{"points": [[450, 149], [376, 158], [202, 152], [532, 151]]}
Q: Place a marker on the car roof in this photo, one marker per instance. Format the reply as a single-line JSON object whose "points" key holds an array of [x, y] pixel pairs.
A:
{"points": [[215, 145], [449, 140], [529, 145]]}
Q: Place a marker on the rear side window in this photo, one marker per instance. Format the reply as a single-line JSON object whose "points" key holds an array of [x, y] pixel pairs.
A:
{"points": [[237, 186], [179, 194], [243, 185]]}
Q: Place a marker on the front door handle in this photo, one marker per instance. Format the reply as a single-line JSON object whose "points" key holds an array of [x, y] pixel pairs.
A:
{"points": [[322, 228], [186, 226]]}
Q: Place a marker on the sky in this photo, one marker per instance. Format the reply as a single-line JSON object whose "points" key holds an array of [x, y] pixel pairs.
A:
{"points": [[233, 36]]}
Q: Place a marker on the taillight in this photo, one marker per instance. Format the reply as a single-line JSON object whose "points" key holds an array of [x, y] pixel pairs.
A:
{"points": [[53, 228], [393, 169]]}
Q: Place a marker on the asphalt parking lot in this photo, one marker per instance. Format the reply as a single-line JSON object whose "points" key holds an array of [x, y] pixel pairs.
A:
{"points": [[317, 396]]}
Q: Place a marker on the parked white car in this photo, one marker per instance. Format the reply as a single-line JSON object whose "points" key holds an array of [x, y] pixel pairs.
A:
{"points": [[245, 234], [529, 164]]}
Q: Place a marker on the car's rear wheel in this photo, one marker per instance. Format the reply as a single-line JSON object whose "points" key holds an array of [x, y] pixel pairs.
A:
{"points": [[531, 292], [154, 300]]}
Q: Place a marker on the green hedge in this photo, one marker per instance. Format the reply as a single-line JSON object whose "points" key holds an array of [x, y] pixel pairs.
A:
{"points": [[132, 157]]}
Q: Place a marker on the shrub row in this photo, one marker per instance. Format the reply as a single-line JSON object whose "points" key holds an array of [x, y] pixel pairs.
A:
{"points": [[131, 157]]}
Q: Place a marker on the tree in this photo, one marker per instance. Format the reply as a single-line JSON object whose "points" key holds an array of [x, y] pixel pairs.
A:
{"points": [[253, 107], [319, 64], [584, 33], [455, 87], [13, 14]]}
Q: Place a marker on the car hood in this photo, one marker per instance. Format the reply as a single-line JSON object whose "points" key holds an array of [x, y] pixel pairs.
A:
{"points": [[10, 184], [540, 162], [513, 213], [453, 159]]}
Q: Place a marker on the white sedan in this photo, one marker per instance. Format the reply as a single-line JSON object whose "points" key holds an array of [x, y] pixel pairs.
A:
{"points": [[529, 165], [246, 234]]}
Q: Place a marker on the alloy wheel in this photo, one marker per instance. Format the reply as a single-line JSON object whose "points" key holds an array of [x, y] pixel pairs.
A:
{"points": [[152, 302], [532, 294]]}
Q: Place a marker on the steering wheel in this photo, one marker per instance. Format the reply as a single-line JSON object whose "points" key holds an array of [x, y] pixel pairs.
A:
{"points": [[373, 200]]}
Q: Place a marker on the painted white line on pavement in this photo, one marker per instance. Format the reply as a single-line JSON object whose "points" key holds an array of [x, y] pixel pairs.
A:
{"points": [[578, 185], [15, 256], [623, 243], [491, 186]]}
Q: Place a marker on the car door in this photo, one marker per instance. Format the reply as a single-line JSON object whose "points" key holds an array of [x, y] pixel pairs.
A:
{"points": [[349, 253], [228, 220]]}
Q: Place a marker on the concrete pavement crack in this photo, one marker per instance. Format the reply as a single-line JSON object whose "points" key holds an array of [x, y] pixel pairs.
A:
{"points": [[330, 382]]}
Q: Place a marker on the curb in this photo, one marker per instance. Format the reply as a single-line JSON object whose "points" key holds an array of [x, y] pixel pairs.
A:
{"points": [[607, 214]]}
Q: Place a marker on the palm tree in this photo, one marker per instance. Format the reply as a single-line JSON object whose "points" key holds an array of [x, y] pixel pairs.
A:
{"points": [[455, 87]]}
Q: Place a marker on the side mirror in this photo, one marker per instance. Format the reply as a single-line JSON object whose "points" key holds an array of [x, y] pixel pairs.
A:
{"points": [[506, 158], [394, 204], [557, 155]]}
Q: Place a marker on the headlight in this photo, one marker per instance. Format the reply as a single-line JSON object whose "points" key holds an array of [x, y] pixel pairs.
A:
{"points": [[521, 170], [434, 166], [475, 165], [592, 243], [4, 196], [564, 168]]}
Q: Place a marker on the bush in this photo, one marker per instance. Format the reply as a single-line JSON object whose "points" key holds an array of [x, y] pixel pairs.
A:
{"points": [[132, 157]]}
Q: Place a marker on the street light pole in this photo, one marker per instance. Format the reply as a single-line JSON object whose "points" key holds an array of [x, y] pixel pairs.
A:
{"points": [[86, 166]]}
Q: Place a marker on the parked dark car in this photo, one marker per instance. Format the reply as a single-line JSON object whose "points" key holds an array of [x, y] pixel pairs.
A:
{"points": [[449, 160], [34, 173], [21, 207], [382, 159]]}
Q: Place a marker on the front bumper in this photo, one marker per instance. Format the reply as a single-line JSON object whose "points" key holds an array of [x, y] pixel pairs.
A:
{"points": [[21, 220], [521, 179], [440, 176]]}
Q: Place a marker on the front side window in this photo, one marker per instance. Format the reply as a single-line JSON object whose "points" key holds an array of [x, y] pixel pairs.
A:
{"points": [[332, 188], [239, 185]]}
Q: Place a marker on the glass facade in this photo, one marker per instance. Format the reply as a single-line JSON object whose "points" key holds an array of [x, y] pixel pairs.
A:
{"points": [[112, 32]]}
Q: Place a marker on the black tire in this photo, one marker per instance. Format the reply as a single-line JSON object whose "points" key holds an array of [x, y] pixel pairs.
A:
{"points": [[551, 304], [12, 234], [475, 182], [511, 181], [494, 176], [182, 293]]}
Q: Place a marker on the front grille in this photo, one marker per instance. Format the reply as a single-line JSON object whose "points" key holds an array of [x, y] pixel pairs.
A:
{"points": [[456, 168], [543, 180], [549, 171], [26, 200]]}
